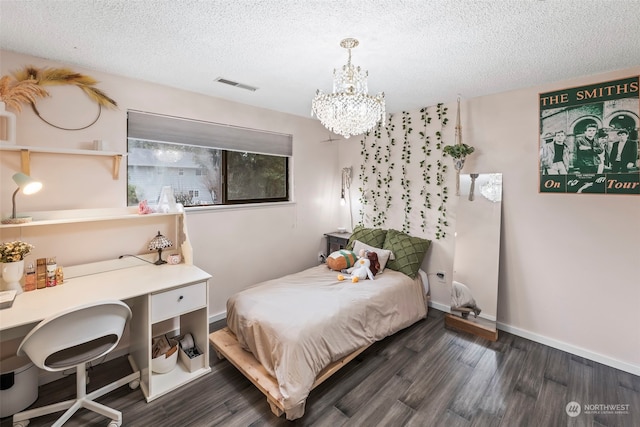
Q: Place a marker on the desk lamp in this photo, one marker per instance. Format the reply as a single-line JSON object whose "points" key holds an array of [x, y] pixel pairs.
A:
{"points": [[159, 243], [28, 186]]}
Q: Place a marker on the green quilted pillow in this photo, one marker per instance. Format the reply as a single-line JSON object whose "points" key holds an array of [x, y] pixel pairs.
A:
{"points": [[369, 236], [409, 252]]}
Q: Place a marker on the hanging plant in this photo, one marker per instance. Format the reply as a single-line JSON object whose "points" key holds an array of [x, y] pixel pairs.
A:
{"points": [[458, 151]]}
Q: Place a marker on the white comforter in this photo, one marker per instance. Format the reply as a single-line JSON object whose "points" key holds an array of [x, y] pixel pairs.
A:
{"points": [[298, 324]]}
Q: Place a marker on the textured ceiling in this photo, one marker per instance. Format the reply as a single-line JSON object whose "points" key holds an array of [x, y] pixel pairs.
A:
{"points": [[419, 52]]}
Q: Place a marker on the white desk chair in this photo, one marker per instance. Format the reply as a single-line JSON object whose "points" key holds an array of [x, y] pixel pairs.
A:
{"points": [[74, 338]]}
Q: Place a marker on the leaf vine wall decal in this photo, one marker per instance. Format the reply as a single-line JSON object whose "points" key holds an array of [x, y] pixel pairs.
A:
{"points": [[440, 176], [381, 180], [426, 168], [405, 182]]}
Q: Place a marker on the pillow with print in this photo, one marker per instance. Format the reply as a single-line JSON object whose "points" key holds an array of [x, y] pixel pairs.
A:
{"points": [[409, 252], [369, 236]]}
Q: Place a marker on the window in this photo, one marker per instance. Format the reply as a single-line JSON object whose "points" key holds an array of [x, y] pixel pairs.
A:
{"points": [[253, 176], [204, 163]]}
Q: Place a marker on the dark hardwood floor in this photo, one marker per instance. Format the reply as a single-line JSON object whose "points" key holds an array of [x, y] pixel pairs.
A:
{"points": [[424, 375]]}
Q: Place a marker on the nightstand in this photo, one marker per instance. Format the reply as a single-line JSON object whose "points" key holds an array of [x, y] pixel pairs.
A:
{"points": [[336, 241]]}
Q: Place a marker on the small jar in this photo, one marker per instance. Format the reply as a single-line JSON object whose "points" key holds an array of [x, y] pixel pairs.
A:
{"points": [[59, 275], [51, 272]]}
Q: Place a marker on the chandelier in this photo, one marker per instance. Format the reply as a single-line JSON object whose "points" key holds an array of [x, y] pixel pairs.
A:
{"points": [[349, 110]]}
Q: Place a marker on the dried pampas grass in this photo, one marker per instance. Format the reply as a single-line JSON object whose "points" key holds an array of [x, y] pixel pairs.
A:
{"points": [[14, 93], [65, 76]]}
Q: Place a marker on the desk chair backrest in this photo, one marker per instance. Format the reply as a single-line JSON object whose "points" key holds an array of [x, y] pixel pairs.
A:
{"points": [[76, 336]]}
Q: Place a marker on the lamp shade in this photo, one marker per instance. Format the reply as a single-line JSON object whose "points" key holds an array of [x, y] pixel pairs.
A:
{"points": [[159, 243], [27, 184]]}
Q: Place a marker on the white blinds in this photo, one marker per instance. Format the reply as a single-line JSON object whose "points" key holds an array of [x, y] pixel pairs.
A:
{"points": [[156, 127]]}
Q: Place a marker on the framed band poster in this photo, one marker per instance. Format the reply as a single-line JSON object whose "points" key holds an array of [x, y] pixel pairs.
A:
{"points": [[589, 139]]}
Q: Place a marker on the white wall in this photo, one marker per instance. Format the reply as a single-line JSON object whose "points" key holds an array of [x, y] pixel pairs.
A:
{"points": [[569, 264], [238, 246]]}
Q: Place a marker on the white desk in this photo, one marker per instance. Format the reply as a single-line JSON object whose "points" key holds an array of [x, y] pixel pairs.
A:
{"points": [[154, 293]]}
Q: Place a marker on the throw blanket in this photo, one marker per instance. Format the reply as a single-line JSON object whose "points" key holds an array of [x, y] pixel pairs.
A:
{"points": [[298, 324]]}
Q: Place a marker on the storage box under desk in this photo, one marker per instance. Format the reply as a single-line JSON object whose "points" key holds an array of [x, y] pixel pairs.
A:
{"points": [[191, 364]]}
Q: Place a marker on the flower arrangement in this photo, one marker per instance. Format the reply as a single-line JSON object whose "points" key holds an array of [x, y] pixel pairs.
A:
{"points": [[14, 251], [458, 151]]}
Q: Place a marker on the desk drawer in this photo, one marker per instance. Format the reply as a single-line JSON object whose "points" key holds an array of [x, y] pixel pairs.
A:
{"points": [[178, 301]]}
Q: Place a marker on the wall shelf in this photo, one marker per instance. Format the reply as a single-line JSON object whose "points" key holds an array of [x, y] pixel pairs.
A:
{"points": [[83, 215], [26, 150]]}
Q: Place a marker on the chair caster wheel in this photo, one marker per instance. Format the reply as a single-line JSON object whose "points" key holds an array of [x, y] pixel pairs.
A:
{"points": [[114, 424], [23, 423], [134, 384]]}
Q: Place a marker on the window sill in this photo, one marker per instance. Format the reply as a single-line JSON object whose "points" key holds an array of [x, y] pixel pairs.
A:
{"points": [[202, 209]]}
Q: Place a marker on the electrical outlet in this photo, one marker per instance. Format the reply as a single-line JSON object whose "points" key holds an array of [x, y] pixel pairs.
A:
{"points": [[441, 276]]}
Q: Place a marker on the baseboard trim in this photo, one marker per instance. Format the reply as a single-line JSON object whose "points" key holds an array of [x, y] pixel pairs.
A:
{"points": [[578, 351], [218, 316], [439, 306]]}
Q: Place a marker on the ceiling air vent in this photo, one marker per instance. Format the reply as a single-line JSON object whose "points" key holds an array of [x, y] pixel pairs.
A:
{"points": [[236, 84]]}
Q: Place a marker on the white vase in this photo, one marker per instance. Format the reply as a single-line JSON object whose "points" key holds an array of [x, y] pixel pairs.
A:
{"points": [[12, 273], [7, 126]]}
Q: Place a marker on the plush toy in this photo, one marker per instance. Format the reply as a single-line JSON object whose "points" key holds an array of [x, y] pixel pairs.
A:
{"points": [[375, 264], [341, 260], [361, 271]]}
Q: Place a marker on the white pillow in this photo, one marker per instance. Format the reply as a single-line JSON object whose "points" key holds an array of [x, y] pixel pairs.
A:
{"points": [[383, 254]]}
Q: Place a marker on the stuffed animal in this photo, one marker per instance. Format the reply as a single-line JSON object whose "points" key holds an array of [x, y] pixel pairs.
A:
{"points": [[375, 264], [361, 271], [341, 260], [373, 258]]}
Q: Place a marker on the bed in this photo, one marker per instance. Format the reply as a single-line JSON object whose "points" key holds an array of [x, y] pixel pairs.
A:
{"points": [[289, 334]]}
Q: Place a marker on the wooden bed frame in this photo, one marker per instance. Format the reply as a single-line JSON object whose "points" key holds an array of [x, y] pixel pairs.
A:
{"points": [[227, 347]]}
